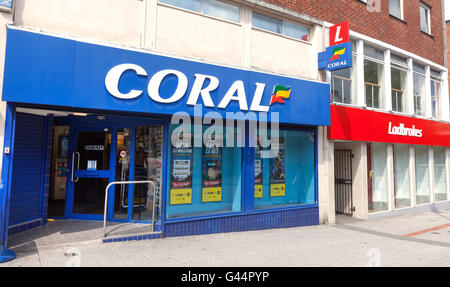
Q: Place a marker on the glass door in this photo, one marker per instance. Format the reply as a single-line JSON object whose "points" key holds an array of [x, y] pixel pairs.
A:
{"points": [[90, 173], [138, 157]]}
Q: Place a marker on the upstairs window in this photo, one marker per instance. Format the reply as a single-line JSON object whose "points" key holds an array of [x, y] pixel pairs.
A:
{"points": [[213, 8], [435, 95], [425, 25], [399, 71], [419, 90], [396, 8], [373, 76], [343, 83], [279, 26]]}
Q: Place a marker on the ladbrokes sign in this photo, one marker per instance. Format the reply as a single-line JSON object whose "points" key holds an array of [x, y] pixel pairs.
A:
{"points": [[356, 124]]}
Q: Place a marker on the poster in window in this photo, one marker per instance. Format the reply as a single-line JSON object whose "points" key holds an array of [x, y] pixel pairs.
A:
{"points": [[278, 171], [63, 146], [212, 169], [258, 172], [181, 174]]}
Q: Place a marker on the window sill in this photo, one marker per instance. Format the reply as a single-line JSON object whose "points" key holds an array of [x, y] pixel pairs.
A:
{"points": [[398, 19], [428, 34]]}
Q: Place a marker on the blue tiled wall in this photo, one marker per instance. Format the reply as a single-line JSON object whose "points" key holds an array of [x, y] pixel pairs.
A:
{"points": [[255, 221]]}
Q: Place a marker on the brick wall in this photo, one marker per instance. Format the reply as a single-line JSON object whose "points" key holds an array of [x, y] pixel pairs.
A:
{"points": [[380, 25]]}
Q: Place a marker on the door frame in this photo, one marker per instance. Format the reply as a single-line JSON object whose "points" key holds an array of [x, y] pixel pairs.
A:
{"points": [[110, 173]]}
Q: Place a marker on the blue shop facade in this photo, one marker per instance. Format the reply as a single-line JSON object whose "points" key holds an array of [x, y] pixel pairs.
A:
{"points": [[82, 115]]}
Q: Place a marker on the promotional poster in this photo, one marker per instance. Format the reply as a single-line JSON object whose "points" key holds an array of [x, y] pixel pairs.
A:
{"points": [[212, 170], [258, 172], [278, 172], [181, 176]]}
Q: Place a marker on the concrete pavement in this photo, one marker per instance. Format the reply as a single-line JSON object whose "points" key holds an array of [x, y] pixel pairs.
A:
{"points": [[376, 242]]}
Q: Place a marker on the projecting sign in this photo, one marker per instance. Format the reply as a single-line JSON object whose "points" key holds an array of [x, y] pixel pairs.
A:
{"points": [[339, 56], [339, 33]]}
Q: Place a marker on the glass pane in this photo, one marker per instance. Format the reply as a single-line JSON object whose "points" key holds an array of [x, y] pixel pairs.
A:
{"points": [[378, 196], [122, 173], [344, 73], [148, 166], [369, 96], [222, 10], [94, 149], [296, 31], [194, 5], [419, 94], [267, 23], [422, 177], [401, 176], [89, 195], [373, 53], [336, 90], [399, 61], [347, 91], [288, 178], [372, 72], [423, 19], [204, 179], [394, 8], [440, 179], [435, 97]]}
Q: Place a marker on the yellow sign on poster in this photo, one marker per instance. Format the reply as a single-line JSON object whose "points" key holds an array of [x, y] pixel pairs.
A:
{"points": [[258, 191], [277, 189], [212, 194], [180, 196]]}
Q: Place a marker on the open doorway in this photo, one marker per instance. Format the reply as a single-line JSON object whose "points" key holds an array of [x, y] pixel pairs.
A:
{"points": [[59, 171]]}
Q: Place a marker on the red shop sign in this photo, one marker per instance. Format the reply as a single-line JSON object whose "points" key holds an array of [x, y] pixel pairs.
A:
{"points": [[356, 124]]}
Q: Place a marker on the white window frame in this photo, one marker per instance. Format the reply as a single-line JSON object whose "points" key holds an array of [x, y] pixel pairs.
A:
{"points": [[438, 98], [400, 3], [202, 12], [428, 14], [282, 27], [381, 99]]}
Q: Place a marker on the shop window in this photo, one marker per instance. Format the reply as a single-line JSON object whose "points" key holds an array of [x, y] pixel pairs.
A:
{"points": [[279, 26], [440, 178], [419, 90], [396, 8], [289, 177], [213, 8], [425, 18], [378, 188], [214, 185], [398, 87], [435, 97], [402, 185], [422, 175], [343, 85]]}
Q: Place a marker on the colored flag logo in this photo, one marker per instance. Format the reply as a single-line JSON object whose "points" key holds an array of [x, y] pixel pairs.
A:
{"points": [[279, 93], [336, 53]]}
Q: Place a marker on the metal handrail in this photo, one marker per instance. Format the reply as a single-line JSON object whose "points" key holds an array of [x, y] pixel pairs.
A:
{"points": [[129, 182]]}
